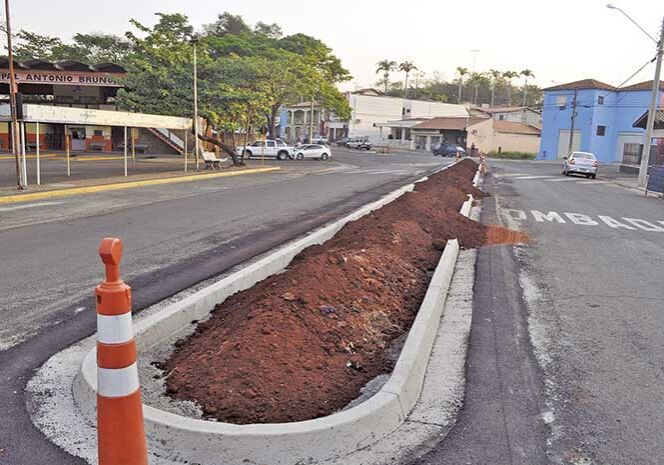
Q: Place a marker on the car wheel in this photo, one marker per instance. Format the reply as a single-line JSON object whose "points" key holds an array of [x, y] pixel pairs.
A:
{"points": [[282, 155], [593, 176], [589, 176], [248, 154], [299, 156], [324, 157]]}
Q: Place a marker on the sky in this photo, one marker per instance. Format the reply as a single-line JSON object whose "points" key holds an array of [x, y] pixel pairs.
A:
{"points": [[560, 41]]}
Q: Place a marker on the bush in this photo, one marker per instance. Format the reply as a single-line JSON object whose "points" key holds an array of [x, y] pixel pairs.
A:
{"points": [[513, 155]]}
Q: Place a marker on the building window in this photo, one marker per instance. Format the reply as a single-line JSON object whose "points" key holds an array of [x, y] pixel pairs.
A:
{"points": [[600, 100], [99, 132], [601, 130], [561, 100], [501, 117]]}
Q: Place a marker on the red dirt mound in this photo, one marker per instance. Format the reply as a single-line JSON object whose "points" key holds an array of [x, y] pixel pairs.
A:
{"points": [[302, 343]]}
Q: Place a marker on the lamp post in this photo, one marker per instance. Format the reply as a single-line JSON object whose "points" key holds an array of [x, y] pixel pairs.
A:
{"points": [[194, 42], [645, 157], [12, 99]]}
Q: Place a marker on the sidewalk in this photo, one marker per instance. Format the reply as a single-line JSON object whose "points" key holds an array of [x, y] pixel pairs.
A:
{"points": [[10, 195], [612, 174]]}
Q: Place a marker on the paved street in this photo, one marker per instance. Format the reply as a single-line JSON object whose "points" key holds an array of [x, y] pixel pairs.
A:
{"points": [[175, 236], [566, 355]]}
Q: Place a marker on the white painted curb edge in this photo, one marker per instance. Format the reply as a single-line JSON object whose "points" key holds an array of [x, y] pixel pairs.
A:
{"points": [[199, 441]]}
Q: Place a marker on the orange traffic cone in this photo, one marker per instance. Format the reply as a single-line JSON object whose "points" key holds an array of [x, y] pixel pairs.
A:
{"points": [[120, 428]]}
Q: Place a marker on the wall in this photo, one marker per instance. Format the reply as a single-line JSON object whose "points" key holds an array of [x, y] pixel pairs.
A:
{"points": [[481, 134], [524, 116], [618, 113], [516, 142], [486, 139]]}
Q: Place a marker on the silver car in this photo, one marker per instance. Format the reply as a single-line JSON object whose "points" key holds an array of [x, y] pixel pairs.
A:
{"points": [[581, 163]]}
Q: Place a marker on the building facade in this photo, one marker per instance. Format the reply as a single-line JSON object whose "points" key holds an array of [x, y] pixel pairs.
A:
{"points": [[523, 115], [73, 84], [603, 123]]}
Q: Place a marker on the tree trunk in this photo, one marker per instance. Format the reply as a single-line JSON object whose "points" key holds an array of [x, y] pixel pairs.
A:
{"points": [[272, 120], [460, 88], [405, 88], [525, 91], [493, 93], [509, 93], [230, 151]]}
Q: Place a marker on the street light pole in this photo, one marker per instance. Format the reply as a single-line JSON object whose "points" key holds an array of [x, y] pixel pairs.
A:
{"points": [[194, 41], [12, 99], [645, 156]]}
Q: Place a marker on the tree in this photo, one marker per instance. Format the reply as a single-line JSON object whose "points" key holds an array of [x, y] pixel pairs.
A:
{"points": [[88, 48], [273, 31], [477, 80], [526, 73], [407, 67], [461, 71], [496, 76], [227, 23], [386, 67], [509, 75], [245, 75]]}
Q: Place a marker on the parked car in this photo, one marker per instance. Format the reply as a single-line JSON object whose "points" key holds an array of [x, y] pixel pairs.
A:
{"points": [[342, 142], [319, 151], [320, 141], [359, 143], [269, 149], [449, 150], [581, 163]]}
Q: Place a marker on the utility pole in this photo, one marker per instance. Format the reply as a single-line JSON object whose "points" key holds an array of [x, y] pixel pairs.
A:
{"points": [[194, 41], [645, 156], [311, 125], [12, 99], [571, 132]]}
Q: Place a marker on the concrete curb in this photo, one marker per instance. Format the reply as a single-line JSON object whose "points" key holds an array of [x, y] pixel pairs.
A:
{"points": [[198, 441]]}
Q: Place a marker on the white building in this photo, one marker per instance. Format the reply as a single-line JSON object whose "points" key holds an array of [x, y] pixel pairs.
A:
{"points": [[372, 111], [523, 115]]}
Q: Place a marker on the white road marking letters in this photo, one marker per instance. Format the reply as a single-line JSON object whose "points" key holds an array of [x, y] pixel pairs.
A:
{"points": [[551, 216], [580, 219]]}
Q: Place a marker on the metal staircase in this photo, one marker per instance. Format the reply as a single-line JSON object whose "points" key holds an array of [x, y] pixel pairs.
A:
{"points": [[168, 138]]}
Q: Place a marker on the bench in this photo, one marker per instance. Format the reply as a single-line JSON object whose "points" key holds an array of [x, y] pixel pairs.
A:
{"points": [[96, 146], [141, 148], [211, 160]]}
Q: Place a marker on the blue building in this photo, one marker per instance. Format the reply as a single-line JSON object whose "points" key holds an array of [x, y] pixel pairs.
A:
{"points": [[604, 123]]}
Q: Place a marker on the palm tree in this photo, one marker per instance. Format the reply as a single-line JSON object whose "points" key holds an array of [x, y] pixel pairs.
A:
{"points": [[461, 71], [526, 73], [386, 67], [496, 76], [509, 75], [406, 67], [477, 80]]}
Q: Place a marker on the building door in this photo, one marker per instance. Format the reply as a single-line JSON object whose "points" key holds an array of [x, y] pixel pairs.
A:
{"points": [[563, 142], [77, 138], [630, 139]]}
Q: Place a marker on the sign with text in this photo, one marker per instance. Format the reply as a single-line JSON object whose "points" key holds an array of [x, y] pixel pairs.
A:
{"points": [[63, 78]]}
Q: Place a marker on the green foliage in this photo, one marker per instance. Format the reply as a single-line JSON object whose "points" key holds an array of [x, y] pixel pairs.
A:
{"points": [[245, 75], [513, 155], [88, 48]]}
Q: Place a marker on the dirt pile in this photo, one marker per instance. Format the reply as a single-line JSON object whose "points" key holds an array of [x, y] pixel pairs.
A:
{"points": [[301, 344]]}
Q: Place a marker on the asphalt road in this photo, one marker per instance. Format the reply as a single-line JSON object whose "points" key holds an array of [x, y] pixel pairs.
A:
{"points": [[566, 350], [175, 236]]}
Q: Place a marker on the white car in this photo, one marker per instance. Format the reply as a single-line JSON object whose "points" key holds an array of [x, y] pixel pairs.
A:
{"points": [[268, 149], [321, 152], [584, 163]]}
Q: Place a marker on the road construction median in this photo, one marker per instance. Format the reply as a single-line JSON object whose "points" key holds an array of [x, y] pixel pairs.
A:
{"points": [[320, 431]]}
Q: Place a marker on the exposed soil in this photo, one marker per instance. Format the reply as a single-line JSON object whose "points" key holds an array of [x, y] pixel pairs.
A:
{"points": [[301, 344]]}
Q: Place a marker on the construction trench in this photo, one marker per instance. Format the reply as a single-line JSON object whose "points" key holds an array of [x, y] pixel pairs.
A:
{"points": [[303, 343]]}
